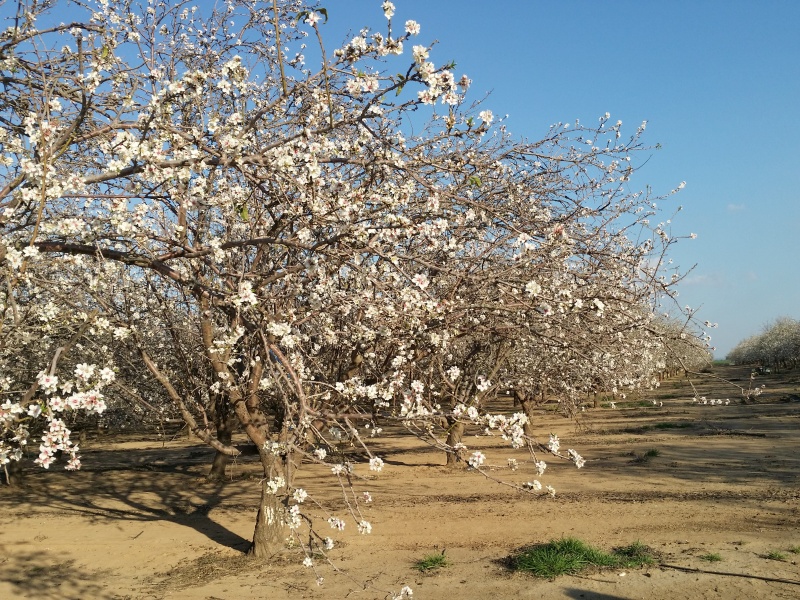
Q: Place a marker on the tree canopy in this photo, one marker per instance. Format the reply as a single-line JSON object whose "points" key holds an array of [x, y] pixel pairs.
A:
{"points": [[195, 212]]}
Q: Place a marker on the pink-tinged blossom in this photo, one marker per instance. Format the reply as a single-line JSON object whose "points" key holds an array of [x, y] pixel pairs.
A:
{"points": [[426, 96], [364, 527], [48, 383], [336, 523], [45, 458], [451, 98], [477, 459], [421, 281], [412, 27], [107, 375]]}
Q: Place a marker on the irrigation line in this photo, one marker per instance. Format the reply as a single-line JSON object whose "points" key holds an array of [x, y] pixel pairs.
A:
{"points": [[692, 570]]}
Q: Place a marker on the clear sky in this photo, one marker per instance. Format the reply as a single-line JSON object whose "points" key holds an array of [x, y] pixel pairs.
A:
{"points": [[718, 82]]}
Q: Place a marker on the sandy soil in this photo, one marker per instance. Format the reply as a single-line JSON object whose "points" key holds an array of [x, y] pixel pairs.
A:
{"points": [[139, 522]]}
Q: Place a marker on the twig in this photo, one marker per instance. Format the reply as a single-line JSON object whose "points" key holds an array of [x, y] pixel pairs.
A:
{"points": [[278, 46], [693, 570]]}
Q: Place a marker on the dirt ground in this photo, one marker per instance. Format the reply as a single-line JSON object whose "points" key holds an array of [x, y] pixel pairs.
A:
{"points": [[139, 522]]}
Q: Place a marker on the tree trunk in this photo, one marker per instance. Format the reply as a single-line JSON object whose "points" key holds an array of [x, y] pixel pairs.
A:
{"points": [[527, 408], [221, 460], [454, 435], [269, 531], [226, 422]]}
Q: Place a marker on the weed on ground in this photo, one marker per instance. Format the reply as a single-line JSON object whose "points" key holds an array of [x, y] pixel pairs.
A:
{"points": [[569, 556]]}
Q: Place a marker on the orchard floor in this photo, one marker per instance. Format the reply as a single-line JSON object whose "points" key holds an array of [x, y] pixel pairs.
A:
{"points": [[139, 522]]}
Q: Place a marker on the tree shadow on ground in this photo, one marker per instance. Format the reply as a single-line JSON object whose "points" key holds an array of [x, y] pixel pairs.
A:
{"points": [[737, 446], [580, 594], [45, 577], [144, 486]]}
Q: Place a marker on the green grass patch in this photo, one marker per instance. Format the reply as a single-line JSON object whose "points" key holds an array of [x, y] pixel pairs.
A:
{"points": [[569, 556], [775, 555], [710, 557], [795, 549], [431, 562]]}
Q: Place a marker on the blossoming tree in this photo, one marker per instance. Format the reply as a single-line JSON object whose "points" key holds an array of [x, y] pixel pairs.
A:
{"points": [[284, 248], [777, 346]]}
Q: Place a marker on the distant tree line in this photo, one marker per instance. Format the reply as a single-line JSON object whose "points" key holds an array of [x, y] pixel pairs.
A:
{"points": [[777, 346]]}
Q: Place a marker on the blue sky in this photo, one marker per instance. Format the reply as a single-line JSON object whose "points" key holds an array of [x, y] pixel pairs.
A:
{"points": [[719, 84]]}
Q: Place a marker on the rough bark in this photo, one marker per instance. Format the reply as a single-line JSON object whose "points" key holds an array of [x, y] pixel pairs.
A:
{"points": [[528, 403], [455, 433], [221, 460], [269, 530]]}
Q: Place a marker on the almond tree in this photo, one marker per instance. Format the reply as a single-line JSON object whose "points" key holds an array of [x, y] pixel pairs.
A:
{"points": [[289, 246]]}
